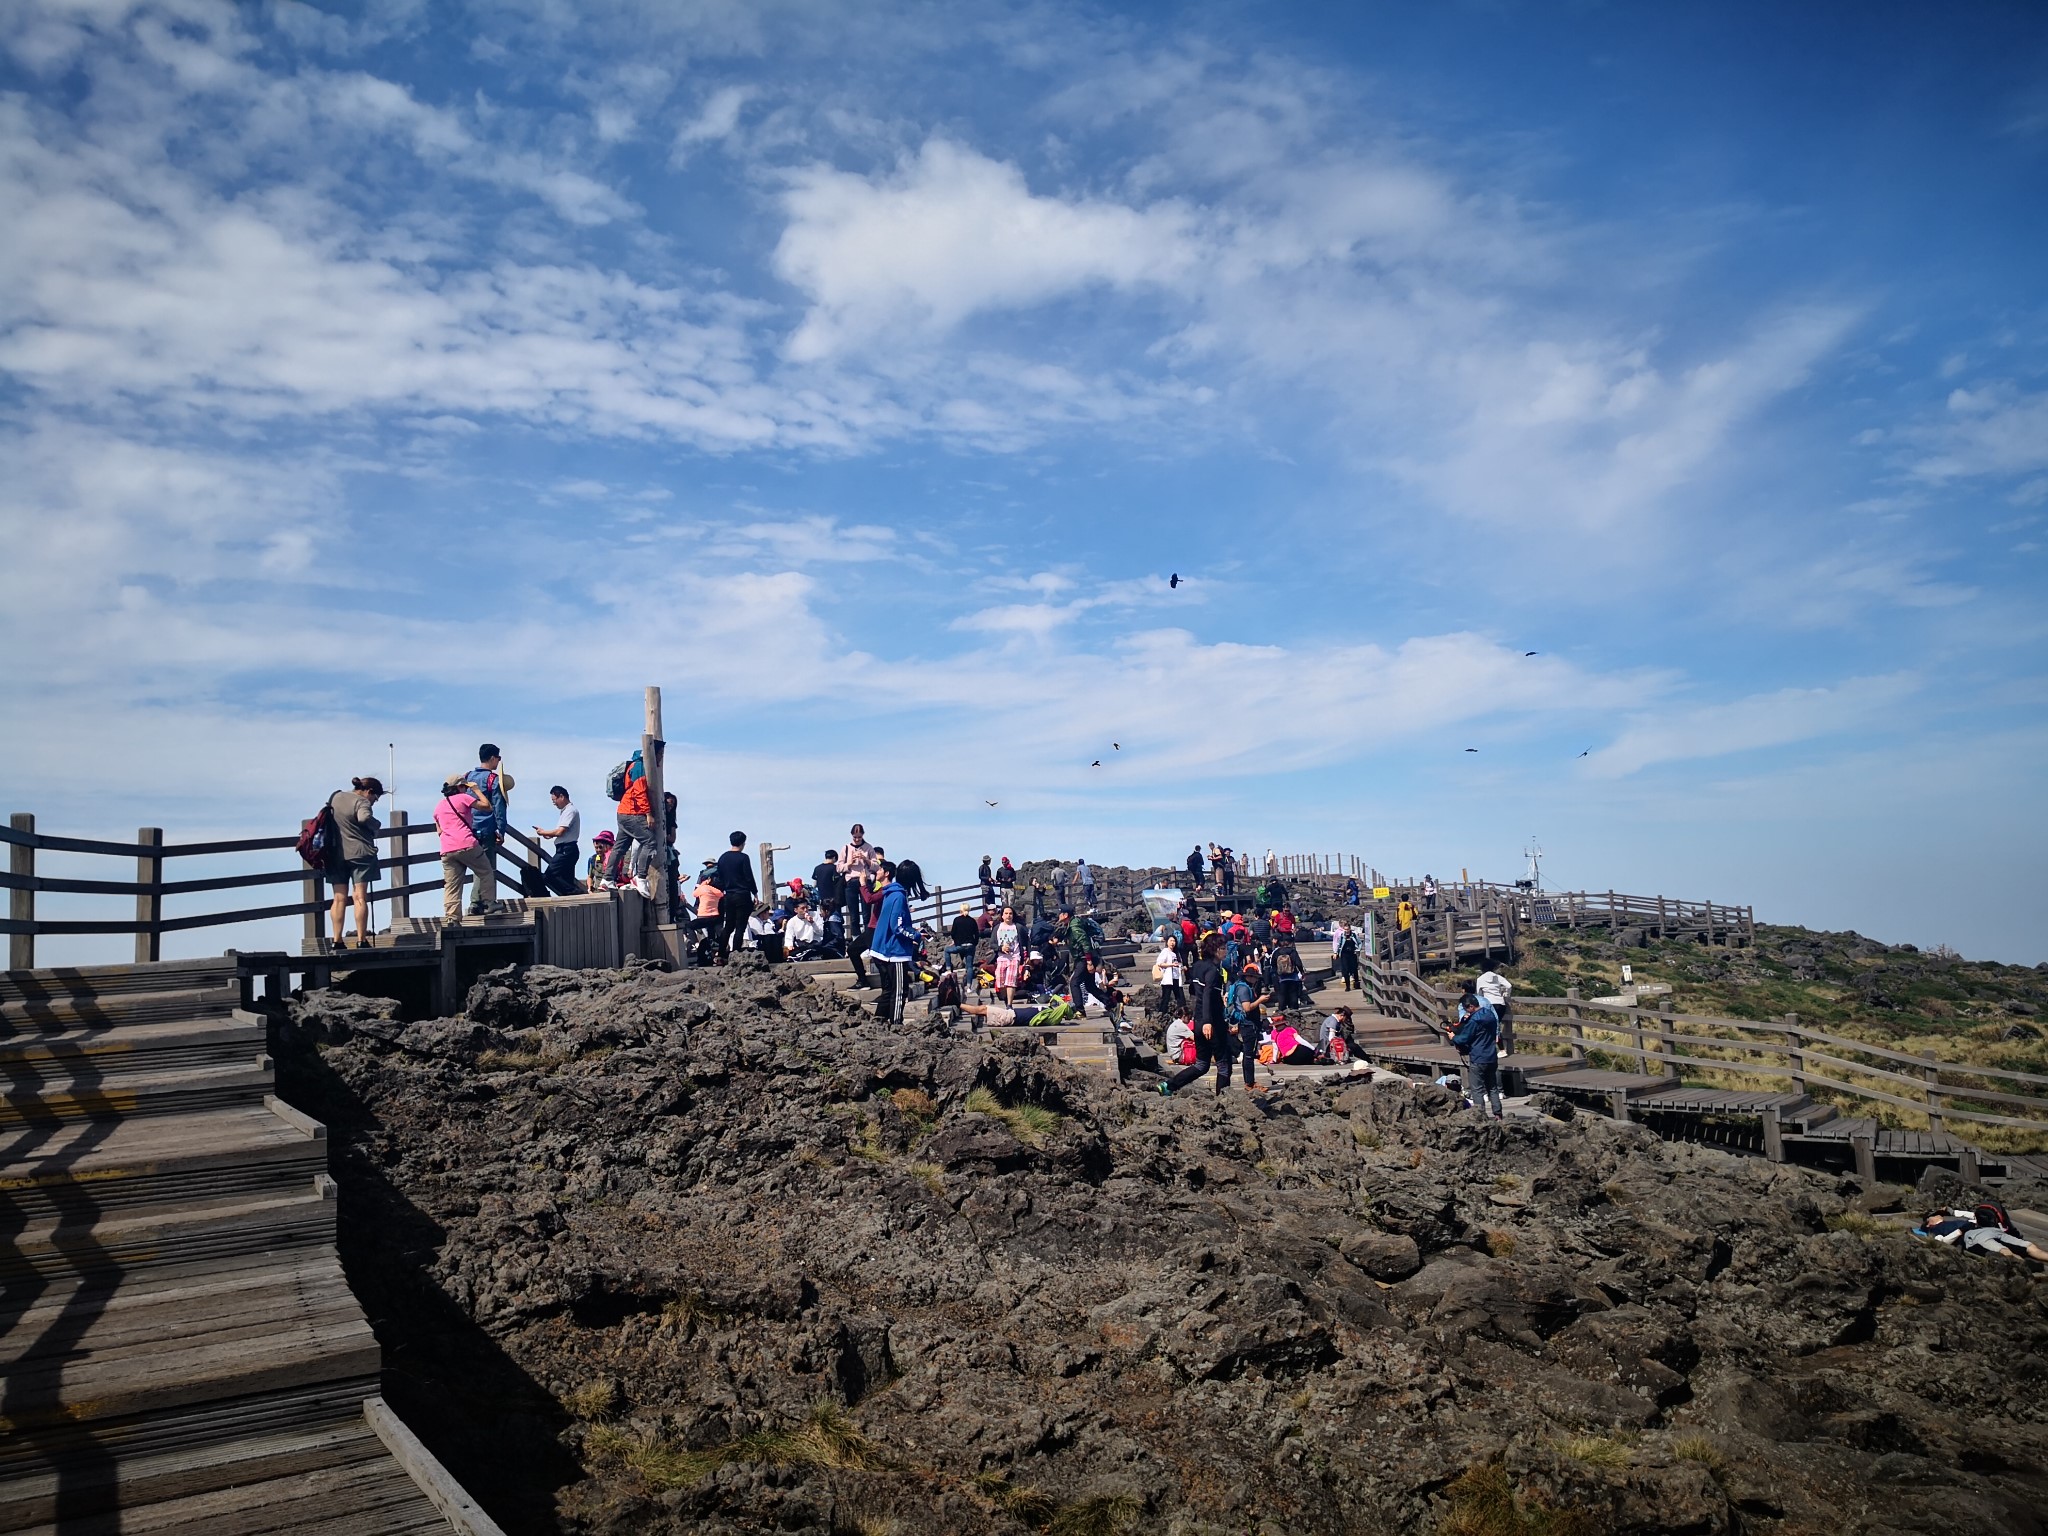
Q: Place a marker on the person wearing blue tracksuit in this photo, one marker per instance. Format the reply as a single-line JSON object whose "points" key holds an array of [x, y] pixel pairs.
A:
{"points": [[893, 946], [1477, 1040]]}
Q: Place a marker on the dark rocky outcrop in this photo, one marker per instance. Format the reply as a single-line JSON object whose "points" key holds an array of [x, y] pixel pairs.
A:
{"points": [[659, 1252]]}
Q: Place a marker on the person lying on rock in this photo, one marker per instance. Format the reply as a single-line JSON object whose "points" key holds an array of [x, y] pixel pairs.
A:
{"points": [[1985, 1230]]}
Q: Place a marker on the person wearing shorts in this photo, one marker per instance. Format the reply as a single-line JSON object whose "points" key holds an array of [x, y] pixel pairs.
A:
{"points": [[352, 863]]}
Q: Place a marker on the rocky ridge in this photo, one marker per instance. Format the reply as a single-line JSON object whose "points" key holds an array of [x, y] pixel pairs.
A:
{"points": [[712, 1251]]}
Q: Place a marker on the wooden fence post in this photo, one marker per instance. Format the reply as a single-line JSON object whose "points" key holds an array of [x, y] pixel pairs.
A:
{"points": [[1866, 1160], [149, 904], [21, 904], [1933, 1075], [1966, 1165], [312, 892], [1798, 1056], [401, 899], [1576, 1016], [1666, 1048]]}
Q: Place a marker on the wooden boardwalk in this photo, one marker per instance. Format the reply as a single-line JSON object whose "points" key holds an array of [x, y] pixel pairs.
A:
{"points": [[179, 1350]]}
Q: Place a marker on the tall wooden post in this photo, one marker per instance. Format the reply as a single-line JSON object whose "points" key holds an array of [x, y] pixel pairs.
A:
{"points": [[1667, 1047], [1933, 1075], [652, 744], [21, 902], [401, 899], [149, 905], [1798, 1056], [313, 895]]}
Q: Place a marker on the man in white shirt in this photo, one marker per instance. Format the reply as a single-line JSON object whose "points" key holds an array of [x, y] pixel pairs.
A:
{"points": [[567, 833], [1494, 988], [803, 931]]}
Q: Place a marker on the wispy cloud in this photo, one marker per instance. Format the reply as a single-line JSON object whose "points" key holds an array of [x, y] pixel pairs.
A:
{"points": [[1744, 725]]}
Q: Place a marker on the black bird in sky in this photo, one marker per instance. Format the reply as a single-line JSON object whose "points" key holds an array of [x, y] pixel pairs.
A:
{"points": [[1471, 749], [1173, 582], [988, 802], [1096, 764], [1116, 746], [1532, 653], [1587, 753]]}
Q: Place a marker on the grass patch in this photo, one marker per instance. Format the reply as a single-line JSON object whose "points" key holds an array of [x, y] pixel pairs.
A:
{"points": [[1500, 1242], [1367, 1137], [1860, 1223], [684, 1312], [1702, 1449], [1484, 1503], [868, 1143], [1029, 1123], [1506, 1183], [916, 1103], [930, 1175], [1101, 1515], [517, 1061], [595, 1399], [826, 1438], [1028, 1505], [1599, 1451]]}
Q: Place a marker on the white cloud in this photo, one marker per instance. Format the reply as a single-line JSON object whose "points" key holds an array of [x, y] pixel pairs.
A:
{"points": [[1744, 725], [716, 121], [1996, 429], [951, 233]]}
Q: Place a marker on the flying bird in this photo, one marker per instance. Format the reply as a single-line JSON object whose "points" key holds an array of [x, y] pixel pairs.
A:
{"points": [[1096, 764], [1116, 746], [1532, 653], [988, 802], [1173, 582], [1587, 753], [1471, 749]]}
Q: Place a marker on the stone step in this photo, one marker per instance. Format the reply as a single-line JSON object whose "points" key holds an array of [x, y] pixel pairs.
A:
{"points": [[159, 1091], [87, 1169]]}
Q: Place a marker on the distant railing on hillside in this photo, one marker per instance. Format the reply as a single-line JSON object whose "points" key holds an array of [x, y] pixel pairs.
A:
{"points": [[1662, 1043]]}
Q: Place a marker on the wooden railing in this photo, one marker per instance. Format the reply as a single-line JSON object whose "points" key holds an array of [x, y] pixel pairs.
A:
{"points": [[1781, 1053], [149, 889]]}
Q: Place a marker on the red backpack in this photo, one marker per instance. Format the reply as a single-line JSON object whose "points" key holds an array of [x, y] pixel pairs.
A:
{"points": [[317, 836]]}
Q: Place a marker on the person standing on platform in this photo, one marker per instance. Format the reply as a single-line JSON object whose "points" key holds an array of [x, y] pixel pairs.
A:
{"points": [[352, 862], [1493, 989], [893, 946], [567, 835], [1087, 878], [858, 864], [490, 784], [461, 854], [734, 878]]}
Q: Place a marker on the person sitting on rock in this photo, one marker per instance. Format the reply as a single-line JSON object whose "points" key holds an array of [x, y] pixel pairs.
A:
{"points": [[1289, 1049], [1180, 1042], [804, 935], [1336, 1038]]}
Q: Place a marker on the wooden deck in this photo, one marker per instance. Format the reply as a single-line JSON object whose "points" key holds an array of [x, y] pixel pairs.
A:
{"points": [[179, 1350]]}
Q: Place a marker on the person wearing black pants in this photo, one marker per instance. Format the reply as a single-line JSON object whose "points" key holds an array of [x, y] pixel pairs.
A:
{"points": [[559, 878], [734, 878], [1213, 1044]]}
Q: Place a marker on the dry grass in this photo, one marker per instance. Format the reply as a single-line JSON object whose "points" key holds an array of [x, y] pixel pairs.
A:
{"points": [[1367, 1137], [1861, 1224], [1101, 1515], [1484, 1503], [930, 1175], [1506, 1183], [687, 1311], [1702, 1449], [595, 1399], [1029, 1123], [1500, 1242], [916, 1103], [826, 1438], [518, 1061], [868, 1143], [1599, 1451], [1028, 1505]]}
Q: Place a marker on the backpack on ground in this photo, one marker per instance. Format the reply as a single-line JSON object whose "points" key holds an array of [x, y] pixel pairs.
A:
{"points": [[317, 837], [616, 781]]}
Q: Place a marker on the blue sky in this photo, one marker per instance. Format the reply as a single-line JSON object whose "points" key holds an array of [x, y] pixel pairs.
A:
{"points": [[425, 373]]}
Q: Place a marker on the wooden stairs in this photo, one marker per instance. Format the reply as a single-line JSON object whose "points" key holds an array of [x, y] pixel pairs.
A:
{"points": [[179, 1350]]}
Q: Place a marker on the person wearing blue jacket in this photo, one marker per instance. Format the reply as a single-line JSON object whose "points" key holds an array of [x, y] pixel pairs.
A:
{"points": [[488, 819], [893, 946], [1477, 1040]]}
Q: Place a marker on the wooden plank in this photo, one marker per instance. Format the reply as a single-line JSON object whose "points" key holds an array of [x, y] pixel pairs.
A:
{"points": [[21, 901], [447, 1496]]}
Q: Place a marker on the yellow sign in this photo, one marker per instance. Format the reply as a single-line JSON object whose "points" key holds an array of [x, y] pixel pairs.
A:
{"points": [[1381, 892]]}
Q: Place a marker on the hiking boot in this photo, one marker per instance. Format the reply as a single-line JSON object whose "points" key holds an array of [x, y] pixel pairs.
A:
{"points": [[1166, 1090]]}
